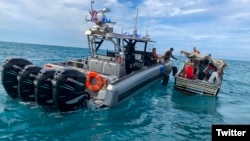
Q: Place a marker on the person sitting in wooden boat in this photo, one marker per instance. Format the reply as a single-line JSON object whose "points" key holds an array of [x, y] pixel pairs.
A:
{"points": [[201, 86], [201, 66], [195, 65], [182, 73], [209, 69], [195, 50], [195, 61], [215, 78], [206, 60], [189, 72]]}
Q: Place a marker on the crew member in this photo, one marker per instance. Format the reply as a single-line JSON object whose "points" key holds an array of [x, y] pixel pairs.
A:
{"points": [[154, 57], [168, 54]]}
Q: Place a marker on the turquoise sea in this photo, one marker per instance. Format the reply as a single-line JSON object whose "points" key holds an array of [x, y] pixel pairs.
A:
{"points": [[157, 112]]}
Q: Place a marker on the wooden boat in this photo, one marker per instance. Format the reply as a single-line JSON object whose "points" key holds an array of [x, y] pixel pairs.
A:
{"points": [[199, 67]]}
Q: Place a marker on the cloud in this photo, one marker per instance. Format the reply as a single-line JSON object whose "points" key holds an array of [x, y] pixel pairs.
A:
{"points": [[192, 11], [223, 24]]}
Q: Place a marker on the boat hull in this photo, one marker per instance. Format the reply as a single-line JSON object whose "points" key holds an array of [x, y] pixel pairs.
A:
{"points": [[126, 87], [189, 86], [102, 78]]}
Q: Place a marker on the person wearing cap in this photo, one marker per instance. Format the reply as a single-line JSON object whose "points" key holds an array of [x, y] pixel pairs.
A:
{"points": [[168, 54], [166, 57]]}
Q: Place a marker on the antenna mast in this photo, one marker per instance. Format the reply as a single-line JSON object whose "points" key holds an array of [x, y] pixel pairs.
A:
{"points": [[135, 24], [147, 25], [92, 2]]}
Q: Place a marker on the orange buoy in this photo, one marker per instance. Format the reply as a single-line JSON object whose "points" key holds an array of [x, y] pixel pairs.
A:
{"points": [[94, 81]]}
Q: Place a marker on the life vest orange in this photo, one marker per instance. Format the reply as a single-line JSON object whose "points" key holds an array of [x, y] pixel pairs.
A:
{"points": [[94, 81]]}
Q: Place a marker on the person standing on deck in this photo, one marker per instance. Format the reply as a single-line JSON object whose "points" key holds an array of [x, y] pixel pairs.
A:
{"points": [[168, 54], [166, 57]]}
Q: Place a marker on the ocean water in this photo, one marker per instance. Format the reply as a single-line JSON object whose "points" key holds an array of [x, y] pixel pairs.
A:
{"points": [[156, 113]]}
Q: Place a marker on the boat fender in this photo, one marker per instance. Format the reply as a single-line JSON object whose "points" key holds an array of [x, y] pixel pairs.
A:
{"points": [[26, 82], [162, 69], [174, 68], [94, 81], [43, 87], [10, 69], [165, 80], [68, 89]]}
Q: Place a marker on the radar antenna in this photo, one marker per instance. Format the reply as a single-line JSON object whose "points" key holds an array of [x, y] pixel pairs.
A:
{"points": [[135, 23]]}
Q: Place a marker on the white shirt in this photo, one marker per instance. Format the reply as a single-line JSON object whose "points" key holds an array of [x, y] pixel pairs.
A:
{"points": [[215, 78]]}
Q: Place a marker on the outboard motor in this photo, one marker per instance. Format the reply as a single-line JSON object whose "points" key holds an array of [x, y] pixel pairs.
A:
{"points": [[69, 89], [10, 69], [26, 82], [43, 87]]}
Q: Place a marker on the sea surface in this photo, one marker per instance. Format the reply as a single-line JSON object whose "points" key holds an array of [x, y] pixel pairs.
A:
{"points": [[157, 112]]}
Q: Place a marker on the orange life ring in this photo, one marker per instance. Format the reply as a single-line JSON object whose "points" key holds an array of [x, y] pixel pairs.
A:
{"points": [[94, 81]]}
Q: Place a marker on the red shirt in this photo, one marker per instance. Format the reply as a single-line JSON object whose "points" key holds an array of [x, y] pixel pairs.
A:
{"points": [[155, 55], [189, 72]]}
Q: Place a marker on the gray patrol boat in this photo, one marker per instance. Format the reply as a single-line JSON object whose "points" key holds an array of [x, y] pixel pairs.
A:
{"points": [[118, 65]]}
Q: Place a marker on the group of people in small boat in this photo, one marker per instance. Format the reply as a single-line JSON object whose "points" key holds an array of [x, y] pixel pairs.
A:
{"points": [[202, 70]]}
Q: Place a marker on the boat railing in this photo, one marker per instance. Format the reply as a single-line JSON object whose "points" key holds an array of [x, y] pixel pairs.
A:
{"points": [[196, 86], [106, 65], [77, 64], [106, 58]]}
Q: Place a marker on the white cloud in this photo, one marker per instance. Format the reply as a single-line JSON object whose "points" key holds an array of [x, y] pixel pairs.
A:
{"points": [[242, 1], [184, 23], [239, 16], [192, 11]]}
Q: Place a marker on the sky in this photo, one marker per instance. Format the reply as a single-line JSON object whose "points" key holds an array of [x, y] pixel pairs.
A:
{"points": [[219, 27]]}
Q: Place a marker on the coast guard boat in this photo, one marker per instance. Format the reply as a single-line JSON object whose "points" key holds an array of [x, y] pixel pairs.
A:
{"points": [[111, 74], [196, 70]]}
